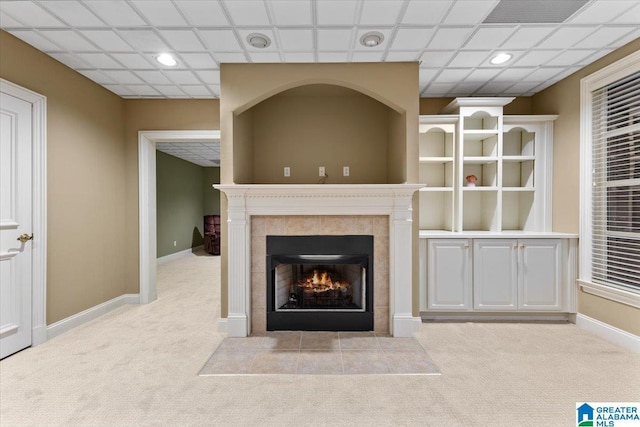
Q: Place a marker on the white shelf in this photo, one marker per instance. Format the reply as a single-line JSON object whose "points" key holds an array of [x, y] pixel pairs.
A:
{"points": [[434, 189], [517, 159], [479, 160], [435, 159], [479, 134], [479, 188], [518, 189]]}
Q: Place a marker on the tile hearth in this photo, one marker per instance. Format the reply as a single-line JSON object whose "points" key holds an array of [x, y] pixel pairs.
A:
{"points": [[320, 353]]}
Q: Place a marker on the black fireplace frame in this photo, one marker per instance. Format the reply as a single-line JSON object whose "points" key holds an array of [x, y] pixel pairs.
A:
{"points": [[339, 250]]}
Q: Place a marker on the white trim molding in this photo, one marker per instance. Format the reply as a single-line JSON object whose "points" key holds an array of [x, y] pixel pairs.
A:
{"points": [[612, 293], [610, 333], [393, 200], [147, 213], [178, 255], [89, 314], [39, 214]]}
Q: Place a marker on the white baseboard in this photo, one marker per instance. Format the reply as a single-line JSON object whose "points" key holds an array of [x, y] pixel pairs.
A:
{"points": [[89, 314], [610, 333], [178, 255], [223, 325], [405, 325], [38, 335]]}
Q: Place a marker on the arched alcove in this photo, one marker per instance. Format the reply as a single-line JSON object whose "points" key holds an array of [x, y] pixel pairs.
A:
{"points": [[315, 125]]}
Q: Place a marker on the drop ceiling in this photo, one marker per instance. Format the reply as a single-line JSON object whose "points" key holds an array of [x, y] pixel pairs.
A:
{"points": [[205, 154], [115, 42]]}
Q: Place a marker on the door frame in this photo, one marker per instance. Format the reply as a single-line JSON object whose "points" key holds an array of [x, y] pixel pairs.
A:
{"points": [[147, 210], [39, 206]]}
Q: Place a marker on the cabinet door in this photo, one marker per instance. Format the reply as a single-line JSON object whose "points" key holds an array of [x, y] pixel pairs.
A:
{"points": [[495, 274], [449, 274], [540, 274]]}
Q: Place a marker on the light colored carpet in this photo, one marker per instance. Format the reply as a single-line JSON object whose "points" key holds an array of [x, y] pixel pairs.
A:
{"points": [[138, 366]]}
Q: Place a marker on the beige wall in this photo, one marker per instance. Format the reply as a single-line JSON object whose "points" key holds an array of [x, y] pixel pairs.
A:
{"points": [[85, 180], [563, 98]]}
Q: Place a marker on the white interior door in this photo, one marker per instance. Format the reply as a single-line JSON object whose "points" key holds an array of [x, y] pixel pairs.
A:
{"points": [[16, 256]]}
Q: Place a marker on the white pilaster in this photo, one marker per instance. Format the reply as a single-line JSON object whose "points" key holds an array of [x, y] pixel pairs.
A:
{"points": [[239, 266]]}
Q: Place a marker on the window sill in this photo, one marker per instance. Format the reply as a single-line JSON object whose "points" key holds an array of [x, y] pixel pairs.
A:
{"points": [[611, 293]]}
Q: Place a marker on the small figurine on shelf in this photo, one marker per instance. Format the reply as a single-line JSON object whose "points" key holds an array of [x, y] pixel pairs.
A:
{"points": [[471, 180]]}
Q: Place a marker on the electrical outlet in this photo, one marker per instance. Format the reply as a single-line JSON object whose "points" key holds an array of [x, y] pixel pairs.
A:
{"points": [[345, 171], [287, 171], [175, 243], [321, 171]]}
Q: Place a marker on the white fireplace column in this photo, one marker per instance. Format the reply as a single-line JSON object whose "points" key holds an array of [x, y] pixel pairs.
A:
{"points": [[392, 200]]}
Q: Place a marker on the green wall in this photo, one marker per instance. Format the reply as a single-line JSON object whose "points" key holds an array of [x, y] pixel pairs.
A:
{"points": [[211, 196], [183, 195]]}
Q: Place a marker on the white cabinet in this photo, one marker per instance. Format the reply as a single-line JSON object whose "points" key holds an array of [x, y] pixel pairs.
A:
{"points": [[523, 274], [495, 275], [449, 274]]}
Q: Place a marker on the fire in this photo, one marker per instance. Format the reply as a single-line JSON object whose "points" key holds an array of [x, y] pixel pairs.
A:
{"points": [[321, 281]]}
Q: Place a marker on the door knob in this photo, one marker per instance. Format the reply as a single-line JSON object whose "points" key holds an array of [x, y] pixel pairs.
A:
{"points": [[24, 238]]}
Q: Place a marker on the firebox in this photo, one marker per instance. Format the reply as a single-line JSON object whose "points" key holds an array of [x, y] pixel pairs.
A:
{"points": [[320, 283]]}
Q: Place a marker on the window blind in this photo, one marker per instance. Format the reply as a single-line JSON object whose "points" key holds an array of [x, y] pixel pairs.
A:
{"points": [[616, 183]]}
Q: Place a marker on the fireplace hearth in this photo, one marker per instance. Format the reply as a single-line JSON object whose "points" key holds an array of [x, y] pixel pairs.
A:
{"points": [[320, 283]]}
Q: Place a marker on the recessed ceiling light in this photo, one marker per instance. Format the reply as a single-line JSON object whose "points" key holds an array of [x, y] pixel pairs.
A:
{"points": [[259, 41], [371, 39], [166, 59], [501, 58]]}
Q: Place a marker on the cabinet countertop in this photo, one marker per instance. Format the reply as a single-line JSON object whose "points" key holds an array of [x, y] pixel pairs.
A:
{"points": [[441, 234]]}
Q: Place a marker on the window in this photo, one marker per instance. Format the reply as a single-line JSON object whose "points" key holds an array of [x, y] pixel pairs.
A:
{"points": [[610, 182], [615, 256]]}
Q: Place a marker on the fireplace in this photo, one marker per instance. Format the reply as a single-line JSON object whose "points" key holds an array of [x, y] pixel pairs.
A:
{"points": [[320, 283]]}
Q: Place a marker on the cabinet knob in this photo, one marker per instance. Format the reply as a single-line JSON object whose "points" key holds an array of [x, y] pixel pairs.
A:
{"points": [[466, 246], [521, 246]]}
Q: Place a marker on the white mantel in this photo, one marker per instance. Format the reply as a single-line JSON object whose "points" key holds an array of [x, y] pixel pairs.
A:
{"points": [[248, 200]]}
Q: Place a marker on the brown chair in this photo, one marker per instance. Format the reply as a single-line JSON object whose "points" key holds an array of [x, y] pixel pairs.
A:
{"points": [[212, 234]]}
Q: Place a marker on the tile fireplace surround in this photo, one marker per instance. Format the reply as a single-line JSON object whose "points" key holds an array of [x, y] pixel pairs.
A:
{"points": [[381, 210]]}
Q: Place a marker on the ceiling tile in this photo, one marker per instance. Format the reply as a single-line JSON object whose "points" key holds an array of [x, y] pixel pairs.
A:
{"points": [[336, 12], [466, 88], [522, 87], [469, 59], [402, 56], [566, 37], [421, 12], [299, 57], [412, 38], [604, 36], [220, 40], [543, 73], [215, 89], [440, 89], [449, 38], [536, 58], [68, 40], [36, 40], [143, 90], [469, 12], [513, 74], [296, 39], [246, 12], [380, 12], [333, 56], [99, 60], [198, 90], [182, 77], [265, 56], [200, 12], [486, 37], [144, 40], [70, 60], [9, 22], [115, 12], [244, 36], [482, 75], [160, 13], [492, 88], [182, 40], [124, 77], [73, 13], [427, 74], [631, 16], [526, 37], [29, 12], [134, 61], [209, 76], [199, 60], [153, 77], [600, 12], [119, 90], [367, 56], [436, 58], [570, 57], [452, 75], [291, 12], [97, 76], [334, 39], [107, 40]]}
